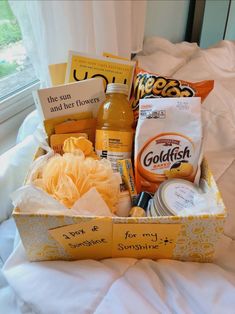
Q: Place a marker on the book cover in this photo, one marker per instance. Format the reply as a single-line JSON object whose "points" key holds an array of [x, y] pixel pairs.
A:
{"points": [[58, 101], [58, 71], [111, 70]]}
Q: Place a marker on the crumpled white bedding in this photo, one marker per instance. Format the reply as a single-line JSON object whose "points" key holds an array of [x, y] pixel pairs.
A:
{"points": [[144, 286], [124, 285]]}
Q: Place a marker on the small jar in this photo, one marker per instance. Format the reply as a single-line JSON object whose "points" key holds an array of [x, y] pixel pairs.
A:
{"points": [[177, 197]]}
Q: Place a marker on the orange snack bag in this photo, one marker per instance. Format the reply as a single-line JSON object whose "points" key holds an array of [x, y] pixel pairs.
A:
{"points": [[152, 85], [168, 141]]}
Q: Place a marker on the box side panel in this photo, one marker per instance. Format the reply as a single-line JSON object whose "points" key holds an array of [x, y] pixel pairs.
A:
{"points": [[207, 175], [197, 239], [37, 241]]}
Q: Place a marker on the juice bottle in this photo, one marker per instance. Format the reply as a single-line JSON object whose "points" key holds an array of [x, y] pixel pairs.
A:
{"points": [[114, 133]]}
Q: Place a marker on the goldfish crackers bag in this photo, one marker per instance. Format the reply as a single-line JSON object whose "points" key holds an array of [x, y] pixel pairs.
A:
{"points": [[152, 85], [168, 141]]}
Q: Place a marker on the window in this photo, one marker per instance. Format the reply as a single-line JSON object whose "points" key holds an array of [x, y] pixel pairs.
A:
{"points": [[17, 78]]}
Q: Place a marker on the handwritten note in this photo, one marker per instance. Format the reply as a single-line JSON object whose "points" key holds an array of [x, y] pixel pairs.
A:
{"points": [[144, 240], [89, 239]]}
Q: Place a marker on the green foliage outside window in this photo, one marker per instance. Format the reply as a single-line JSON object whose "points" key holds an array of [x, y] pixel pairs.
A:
{"points": [[9, 28], [9, 35], [7, 69]]}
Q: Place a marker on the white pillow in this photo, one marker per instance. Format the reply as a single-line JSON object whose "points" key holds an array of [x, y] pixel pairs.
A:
{"points": [[14, 166], [160, 63]]}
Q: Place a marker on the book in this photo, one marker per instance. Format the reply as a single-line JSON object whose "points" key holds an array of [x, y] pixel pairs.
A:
{"points": [[112, 70], [58, 70], [84, 96], [57, 73]]}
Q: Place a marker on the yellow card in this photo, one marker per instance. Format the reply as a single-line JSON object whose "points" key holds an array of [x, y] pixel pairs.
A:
{"points": [[50, 124], [57, 73], [110, 55], [144, 240], [87, 239]]}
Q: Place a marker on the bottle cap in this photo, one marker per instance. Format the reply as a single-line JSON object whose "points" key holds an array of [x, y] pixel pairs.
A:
{"points": [[143, 200], [117, 88]]}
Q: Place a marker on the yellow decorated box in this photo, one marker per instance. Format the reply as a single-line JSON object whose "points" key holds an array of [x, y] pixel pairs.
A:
{"points": [[59, 237]]}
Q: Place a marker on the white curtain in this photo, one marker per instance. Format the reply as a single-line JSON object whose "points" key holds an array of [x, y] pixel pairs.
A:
{"points": [[51, 28]]}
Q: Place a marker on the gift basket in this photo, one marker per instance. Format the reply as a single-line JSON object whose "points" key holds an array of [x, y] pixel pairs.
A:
{"points": [[121, 172]]}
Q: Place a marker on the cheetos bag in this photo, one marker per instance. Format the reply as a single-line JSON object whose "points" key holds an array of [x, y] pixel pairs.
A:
{"points": [[152, 85]]}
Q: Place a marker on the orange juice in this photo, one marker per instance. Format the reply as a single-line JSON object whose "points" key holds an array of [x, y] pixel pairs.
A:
{"points": [[114, 133]]}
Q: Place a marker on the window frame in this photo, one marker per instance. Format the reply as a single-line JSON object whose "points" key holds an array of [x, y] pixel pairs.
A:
{"points": [[13, 110], [18, 101]]}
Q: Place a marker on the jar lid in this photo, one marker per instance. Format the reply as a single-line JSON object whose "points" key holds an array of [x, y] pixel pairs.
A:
{"points": [[178, 197], [152, 210], [157, 209], [117, 88]]}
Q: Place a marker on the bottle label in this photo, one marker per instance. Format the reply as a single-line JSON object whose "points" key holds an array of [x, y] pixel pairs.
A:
{"points": [[113, 145]]}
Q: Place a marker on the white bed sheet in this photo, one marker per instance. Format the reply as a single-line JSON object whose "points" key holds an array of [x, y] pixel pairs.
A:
{"points": [[146, 286], [125, 285]]}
